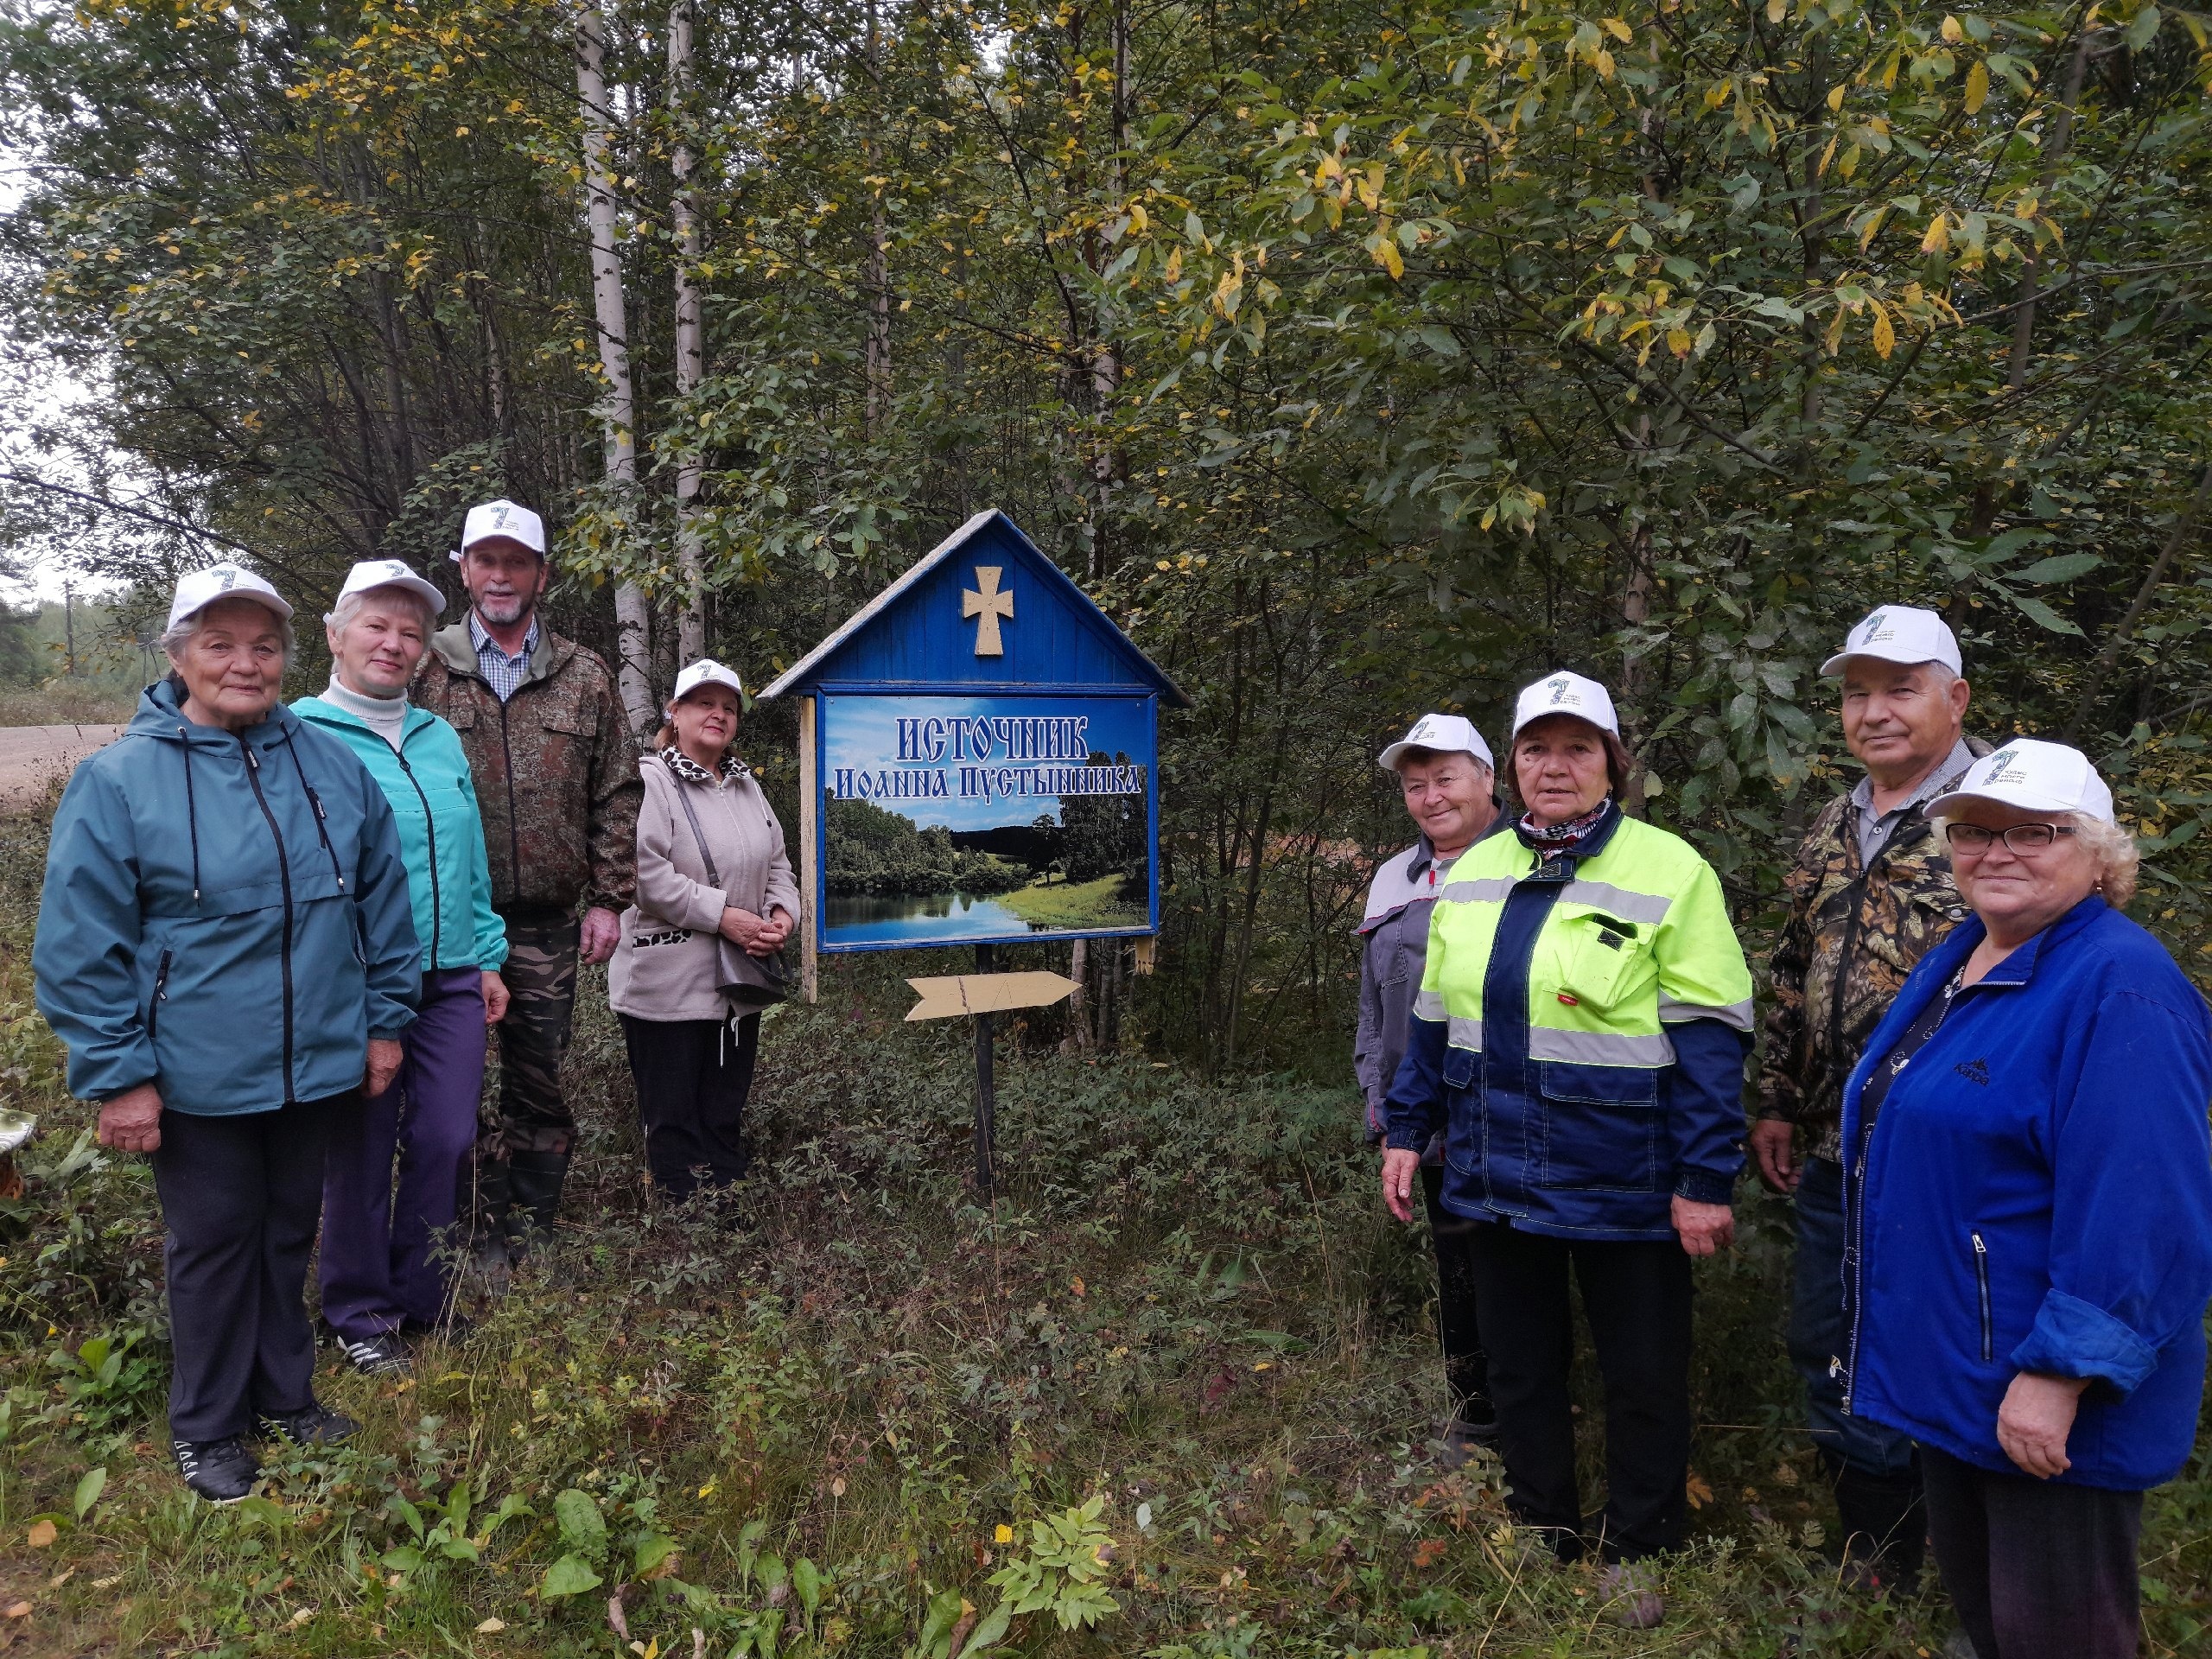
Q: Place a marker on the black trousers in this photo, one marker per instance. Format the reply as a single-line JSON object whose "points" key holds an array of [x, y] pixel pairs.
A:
{"points": [[692, 1077], [2035, 1569], [241, 1198], [1637, 1297], [1466, 1372]]}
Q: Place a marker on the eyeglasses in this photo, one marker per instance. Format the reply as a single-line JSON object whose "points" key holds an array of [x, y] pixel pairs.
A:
{"points": [[2022, 840]]}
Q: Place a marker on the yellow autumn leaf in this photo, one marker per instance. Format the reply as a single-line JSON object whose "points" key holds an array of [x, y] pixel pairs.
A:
{"points": [[1872, 228], [1173, 274], [1952, 31], [1835, 95], [1700, 1494], [1885, 337], [42, 1534], [1137, 217], [1826, 156], [1620, 30], [1003, 1535], [1939, 234], [1678, 341], [1776, 10], [1977, 87], [492, 1627], [1386, 254], [1604, 61]]}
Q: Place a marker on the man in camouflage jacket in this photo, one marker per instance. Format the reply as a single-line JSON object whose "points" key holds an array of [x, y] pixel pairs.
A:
{"points": [[1870, 894], [555, 770]]}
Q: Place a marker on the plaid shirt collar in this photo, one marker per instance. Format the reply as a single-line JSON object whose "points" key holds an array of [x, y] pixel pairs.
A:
{"points": [[504, 673]]}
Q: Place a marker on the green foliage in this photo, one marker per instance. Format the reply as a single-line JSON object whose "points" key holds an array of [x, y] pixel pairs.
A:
{"points": [[1059, 1573]]}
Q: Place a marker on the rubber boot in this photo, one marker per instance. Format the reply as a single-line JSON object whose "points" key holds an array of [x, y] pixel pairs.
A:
{"points": [[489, 1256], [534, 1183], [1884, 1526]]}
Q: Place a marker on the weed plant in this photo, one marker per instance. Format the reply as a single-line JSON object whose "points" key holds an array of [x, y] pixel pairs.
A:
{"points": [[1173, 1392]]}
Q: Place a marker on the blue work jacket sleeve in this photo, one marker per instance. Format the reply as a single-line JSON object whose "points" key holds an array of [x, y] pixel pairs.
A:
{"points": [[84, 959], [1706, 1109], [389, 942], [491, 931], [1414, 1110], [2131, 1237]]}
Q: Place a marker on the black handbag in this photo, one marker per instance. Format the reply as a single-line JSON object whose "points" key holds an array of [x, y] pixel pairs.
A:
{"points": [[749, 982]]}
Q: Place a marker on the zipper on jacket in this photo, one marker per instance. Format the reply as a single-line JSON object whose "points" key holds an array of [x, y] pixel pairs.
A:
{"points": [[284, 880], [430, 825], [160, 994], [1981, 1291]]}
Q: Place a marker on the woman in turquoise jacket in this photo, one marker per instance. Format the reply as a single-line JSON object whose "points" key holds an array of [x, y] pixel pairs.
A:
{"points": [[224, 945], [383, 1272]]}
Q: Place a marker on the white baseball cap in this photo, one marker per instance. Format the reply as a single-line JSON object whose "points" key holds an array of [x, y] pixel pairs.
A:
{"points": [[196, 592], [1446, 734], [705, 671], [1899, 633], [2035, 777], [502, 517], [372, 574], [1567, 694]]}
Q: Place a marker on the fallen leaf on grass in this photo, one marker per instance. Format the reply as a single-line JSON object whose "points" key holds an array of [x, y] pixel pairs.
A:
{"points": [[492, 1627], [1700, 1493], [41, 1535], [1428, 1552], [19, 1610]]}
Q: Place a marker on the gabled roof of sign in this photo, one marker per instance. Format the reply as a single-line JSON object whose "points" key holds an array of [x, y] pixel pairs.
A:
{"points": [[913, 634]]}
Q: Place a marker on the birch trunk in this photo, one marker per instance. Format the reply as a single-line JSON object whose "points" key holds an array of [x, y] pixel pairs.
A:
{"points": [[632, 620], [690, 344]]}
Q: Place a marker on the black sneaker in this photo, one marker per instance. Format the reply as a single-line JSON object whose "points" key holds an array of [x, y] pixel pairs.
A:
{"points": [[312, 1425], [222, 1471], [381, 1355]]}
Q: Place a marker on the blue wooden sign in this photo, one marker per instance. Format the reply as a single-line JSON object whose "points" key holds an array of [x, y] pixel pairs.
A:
{"points": [[978, 759]]}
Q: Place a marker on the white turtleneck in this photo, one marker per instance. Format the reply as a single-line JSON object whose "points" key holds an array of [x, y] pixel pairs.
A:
{"points": [[386, 716]]}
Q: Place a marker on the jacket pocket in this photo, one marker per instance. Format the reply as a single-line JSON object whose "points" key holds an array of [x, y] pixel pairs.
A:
{"points": [[1604, 962], [1600, 1127], [161, 994], [1981, 1297]]}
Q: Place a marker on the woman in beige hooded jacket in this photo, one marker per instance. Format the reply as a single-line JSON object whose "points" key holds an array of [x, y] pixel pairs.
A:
{"points": [[691, 1053]]}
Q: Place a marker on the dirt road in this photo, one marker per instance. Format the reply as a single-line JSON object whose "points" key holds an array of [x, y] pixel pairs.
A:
{"points": [[31, 757]]}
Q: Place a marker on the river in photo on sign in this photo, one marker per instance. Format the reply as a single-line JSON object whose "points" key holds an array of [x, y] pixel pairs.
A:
{"points": [[938, 917]]}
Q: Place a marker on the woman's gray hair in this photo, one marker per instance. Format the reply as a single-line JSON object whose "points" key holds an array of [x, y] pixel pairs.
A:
{"points": [[2118, 858], [352, 606], [185, 630]]}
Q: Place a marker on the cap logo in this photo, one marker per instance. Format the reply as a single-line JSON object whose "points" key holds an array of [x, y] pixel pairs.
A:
{"points": [[1998, 762], [1873, 626], [1559, 688]]}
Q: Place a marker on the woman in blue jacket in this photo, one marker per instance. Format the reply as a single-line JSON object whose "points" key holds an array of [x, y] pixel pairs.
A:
{"points": [[384, 1277], [225, 946], [2029, 1190]]}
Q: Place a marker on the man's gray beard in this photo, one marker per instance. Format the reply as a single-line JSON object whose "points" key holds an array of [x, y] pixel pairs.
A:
{"points": [[521, 607]]}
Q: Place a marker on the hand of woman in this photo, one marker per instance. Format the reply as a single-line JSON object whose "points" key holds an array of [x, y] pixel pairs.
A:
{"points": [[774, 932], [1705, 1229], [1398, 1167], [2035, 1419], [384, 1055], [495, 998], [132, 1120], [741, 928]]}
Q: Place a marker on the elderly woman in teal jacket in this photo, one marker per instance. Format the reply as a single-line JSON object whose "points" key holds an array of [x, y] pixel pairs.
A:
{"points": [[224, 945], [384, 1275]]}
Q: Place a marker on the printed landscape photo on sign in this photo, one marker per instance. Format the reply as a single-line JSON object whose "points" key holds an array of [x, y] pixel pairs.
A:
{"points": [[949, 820]]}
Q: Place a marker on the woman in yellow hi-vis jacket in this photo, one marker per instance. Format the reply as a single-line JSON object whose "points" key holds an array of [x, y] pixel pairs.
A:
{"points": [[1579, 1037]]}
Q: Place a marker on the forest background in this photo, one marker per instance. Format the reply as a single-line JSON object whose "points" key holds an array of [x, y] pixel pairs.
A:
{"points": [[1359, 358]]}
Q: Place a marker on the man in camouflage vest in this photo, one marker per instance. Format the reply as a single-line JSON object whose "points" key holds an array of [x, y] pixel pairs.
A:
{"points": [[1870, 894], [555, 769]]}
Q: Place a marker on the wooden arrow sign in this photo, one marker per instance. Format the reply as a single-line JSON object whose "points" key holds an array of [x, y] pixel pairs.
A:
{"points": [[956, 993]]}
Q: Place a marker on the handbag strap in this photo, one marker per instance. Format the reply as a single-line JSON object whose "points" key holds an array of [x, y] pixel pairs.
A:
{"points": [[683, 799]]}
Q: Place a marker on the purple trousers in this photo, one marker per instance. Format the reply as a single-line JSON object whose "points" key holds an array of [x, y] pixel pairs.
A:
{"points": [[380, 1240]]}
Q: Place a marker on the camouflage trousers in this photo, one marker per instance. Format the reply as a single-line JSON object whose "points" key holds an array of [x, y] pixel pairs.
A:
{"points": [[530, 1115]]}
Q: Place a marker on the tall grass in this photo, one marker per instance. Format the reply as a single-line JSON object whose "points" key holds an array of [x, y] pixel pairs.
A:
{"points": [[825, 1417]]}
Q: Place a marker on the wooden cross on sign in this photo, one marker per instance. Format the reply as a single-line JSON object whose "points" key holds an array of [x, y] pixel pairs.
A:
{"points": [[990, 604]]}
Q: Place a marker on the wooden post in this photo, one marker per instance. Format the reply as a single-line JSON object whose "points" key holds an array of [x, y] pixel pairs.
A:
{"points": [[986, 1099], [809, 840]]}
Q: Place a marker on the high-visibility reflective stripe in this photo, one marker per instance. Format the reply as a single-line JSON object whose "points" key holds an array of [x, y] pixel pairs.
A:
{"points": [[1599, 1047], [1735, 1014], [1618, 901], [1491, 890], [1466, 1034], [1428, 1005]]}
